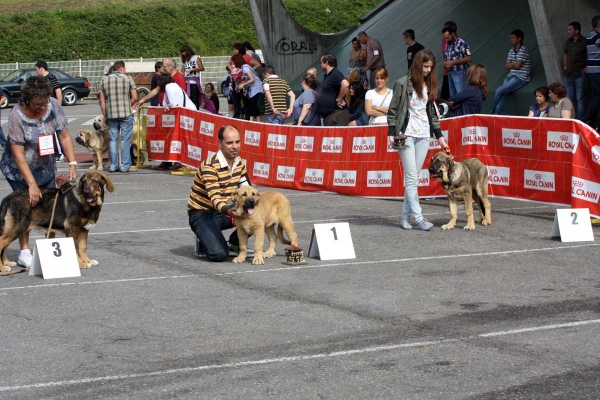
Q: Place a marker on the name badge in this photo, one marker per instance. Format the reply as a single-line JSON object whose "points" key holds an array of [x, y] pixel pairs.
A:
{"points": [[46, 145]]}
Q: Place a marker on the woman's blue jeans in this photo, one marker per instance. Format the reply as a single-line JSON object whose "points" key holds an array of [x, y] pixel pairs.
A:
{"points": [[413, 157]]}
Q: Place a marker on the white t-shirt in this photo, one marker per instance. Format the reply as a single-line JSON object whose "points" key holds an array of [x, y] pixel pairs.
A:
{"points": [[193, 63], [378, 100], [174, 97], [418, 122]]}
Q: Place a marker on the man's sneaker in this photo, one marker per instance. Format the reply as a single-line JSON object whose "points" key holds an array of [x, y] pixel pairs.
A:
{"points": [[25, 258], [424, 225], [199, 253], [404, 224]]}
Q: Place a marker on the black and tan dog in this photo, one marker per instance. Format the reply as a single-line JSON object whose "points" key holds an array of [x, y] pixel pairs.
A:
{"points": [[464, 181], [258, 213], [77, 211]]}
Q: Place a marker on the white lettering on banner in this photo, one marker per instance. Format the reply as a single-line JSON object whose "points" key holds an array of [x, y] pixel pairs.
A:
{"points": [[252, 138], [363, 144], [498, 175], [435, 144], [157, 146], [261, 170], [332, 145], [195, 153], [379, 178], [344, 178], [285, 173], [150, 121], [562, 141], [168, 121], [186, 123], [304, 143], [519, 138], [475, 135], [314, 176], [175, 147], [207, 128], [423, 178], [278, 142], [585, 190], [596, 154], [539, 180]]}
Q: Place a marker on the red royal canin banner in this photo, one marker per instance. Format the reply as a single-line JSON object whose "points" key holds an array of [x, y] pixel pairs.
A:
{"points": [[548, 160]]}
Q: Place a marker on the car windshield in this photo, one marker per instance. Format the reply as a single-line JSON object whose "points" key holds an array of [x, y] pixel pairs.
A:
{"points": [[10, 77]]}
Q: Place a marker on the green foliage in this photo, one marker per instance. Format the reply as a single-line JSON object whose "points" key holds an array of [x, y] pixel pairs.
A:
{"points": [[155, 29]]}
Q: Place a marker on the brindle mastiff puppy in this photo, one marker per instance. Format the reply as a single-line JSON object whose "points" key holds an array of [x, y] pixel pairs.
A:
{"points": [[77, 211], [464, 181], [258, 213]]}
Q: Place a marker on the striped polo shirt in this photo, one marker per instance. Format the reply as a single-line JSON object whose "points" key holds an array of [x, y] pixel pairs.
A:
{"points": [[523, 73], [215, 182], [117, 91], [593, 52], [279, 89]]}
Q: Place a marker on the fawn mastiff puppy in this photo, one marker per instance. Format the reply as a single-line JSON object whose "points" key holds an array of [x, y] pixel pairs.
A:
{"points": [[96, 142], [464, 181], [258, 213]]}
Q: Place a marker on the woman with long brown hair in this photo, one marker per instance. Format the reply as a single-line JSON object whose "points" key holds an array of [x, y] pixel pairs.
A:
{"points": [[470, 100], [413, 113]]}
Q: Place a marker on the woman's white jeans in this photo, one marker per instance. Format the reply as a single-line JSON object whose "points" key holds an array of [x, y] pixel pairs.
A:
{"points": [[413, 157]]}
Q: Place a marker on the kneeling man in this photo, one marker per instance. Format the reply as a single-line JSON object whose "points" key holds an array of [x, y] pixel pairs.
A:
{"points": [[208, 209]]}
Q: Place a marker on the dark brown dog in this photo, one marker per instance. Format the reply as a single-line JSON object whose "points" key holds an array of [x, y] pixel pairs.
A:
{"points": [[77, 211], [258, 213], [464, 181]]}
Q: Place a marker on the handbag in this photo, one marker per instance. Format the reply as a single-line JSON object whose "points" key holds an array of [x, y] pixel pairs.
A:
{"points": [[372, 120]]}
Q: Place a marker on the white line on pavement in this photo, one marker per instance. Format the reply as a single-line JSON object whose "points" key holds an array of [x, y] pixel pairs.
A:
{"points": [[296, 358]]}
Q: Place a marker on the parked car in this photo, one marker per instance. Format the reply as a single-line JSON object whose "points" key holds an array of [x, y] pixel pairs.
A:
{"points": [[73, 89]]}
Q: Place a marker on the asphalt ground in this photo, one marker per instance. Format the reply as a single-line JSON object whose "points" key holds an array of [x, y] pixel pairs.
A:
{"points": [[502, 312]]}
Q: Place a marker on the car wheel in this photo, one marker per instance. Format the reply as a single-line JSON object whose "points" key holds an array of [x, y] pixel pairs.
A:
{"points": [[69, 97], [142, 92], [4, 103]]}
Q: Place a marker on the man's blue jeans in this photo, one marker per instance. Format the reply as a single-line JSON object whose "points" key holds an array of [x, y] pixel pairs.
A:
{"points": [[512, 83], [457, 81], [125, 125], [591, 113], [207, 225], [576, 88]]}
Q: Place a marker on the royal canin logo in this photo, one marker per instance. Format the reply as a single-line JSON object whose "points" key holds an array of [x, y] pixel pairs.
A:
{"points": [[493, 171], [379, 175], [564, 138], [517, 135], [538, 176], [578, 183], [314, 173]]}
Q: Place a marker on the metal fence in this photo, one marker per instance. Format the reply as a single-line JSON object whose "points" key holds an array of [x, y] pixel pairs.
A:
{"points": [[93, 70]]}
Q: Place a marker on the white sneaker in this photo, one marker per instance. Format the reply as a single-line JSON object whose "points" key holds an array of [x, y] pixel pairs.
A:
{"points": [[25, 258]]}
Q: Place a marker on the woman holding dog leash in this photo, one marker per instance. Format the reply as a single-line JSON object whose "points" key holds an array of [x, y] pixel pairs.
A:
{"points": [[28, 160], [413, 114]]}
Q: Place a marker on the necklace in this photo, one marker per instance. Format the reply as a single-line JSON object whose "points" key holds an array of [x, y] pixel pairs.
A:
{"points": [[556, 105]]}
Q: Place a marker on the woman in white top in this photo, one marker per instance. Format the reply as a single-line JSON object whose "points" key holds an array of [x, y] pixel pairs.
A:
{"points": [[174, 95], [413, 114], [192, 66], [377, 101]]}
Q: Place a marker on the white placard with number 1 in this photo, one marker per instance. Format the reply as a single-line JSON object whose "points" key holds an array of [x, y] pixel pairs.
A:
{"points": [[55, 258], [331, 242], [573, 225]]}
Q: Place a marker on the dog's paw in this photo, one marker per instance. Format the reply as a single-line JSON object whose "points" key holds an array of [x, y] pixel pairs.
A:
{"points": [[94, 262], [5, 268], [470, 227], [239, 259], [93, 167], [100, 168], [447, 227], [84, 266], [269, 253], [258, 261], [486, 222]]}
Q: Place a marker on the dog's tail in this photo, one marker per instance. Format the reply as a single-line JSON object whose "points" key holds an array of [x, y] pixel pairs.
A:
{"points": [[280, 235]]}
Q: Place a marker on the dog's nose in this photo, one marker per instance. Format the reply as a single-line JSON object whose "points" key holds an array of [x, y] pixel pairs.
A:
{"points": [[250, 201]]}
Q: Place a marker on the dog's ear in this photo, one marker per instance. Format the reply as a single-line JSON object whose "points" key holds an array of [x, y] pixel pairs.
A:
{"points": [[234, 195], [107, 182], [257, 195]]}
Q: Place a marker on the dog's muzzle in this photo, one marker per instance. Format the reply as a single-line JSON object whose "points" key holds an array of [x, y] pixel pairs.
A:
{"points": [[249, 205], [79, 140], [434, 173], [97, 126]]}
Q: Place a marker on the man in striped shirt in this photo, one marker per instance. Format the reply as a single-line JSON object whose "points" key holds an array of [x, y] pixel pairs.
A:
{"points": [[593, 72], [209, 210], [276, 89], [519, 64]]}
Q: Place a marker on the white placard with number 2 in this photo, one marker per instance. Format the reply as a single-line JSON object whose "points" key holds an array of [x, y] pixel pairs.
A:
{"points": [[331, 242], [573, 225]]}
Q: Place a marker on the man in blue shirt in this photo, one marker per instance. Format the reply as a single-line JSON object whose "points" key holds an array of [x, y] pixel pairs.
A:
{"points": [[456, 60], [593, 72], [519, 64]]}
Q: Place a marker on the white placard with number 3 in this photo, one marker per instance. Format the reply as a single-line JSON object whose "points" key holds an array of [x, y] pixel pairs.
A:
{"points": [[55, 258], [331, 242], [573, 225]]}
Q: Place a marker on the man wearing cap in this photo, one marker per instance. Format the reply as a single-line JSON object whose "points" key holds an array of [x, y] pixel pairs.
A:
{"points": [[413, 46]]}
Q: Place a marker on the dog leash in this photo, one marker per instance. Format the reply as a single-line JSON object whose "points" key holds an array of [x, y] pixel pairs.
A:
{"points": [[64, 185]]}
